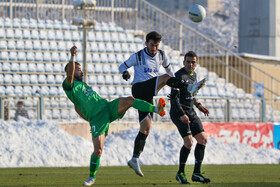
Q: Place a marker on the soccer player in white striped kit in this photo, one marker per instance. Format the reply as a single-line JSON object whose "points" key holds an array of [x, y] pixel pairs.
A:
{"points": [[147, 83]]}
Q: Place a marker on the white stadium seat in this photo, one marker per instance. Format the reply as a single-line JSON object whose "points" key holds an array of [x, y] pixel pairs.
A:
{"points": [[9, 34], [34, 35], [4, 55], [23, 67]]}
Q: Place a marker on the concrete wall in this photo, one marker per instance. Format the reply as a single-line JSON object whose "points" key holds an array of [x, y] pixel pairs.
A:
{"points": [[259, 27]]}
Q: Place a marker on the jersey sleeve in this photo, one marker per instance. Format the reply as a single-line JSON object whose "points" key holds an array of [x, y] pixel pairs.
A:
{"points": [[131, 61], [166, 65], [66, 86]]}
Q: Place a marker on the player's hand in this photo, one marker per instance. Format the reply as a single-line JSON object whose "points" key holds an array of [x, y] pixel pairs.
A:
{"points": [[185, 119], [203, 109], [73, 50], [126, 75]]}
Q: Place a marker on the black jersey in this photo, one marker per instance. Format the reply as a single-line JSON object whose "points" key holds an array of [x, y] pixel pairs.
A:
{"points": [[181, 100]]}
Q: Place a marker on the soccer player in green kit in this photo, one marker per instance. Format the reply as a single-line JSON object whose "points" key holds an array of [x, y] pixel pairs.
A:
{"points": [[98, 111]]}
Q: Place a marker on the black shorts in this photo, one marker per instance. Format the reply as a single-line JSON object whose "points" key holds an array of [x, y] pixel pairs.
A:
{"points": [[146, 91], [184, 129]]}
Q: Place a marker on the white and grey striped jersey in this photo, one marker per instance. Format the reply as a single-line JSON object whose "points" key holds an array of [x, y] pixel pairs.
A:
{"points": [[145, 65]]}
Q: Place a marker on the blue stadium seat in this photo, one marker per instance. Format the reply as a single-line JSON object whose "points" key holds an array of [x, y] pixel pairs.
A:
{"points": [[28, 45], [14, 67], [23, 67], [34, 35], [36, 45], [25, 79], [18, 34], [31, 68], [11, 45], [26, 34]]}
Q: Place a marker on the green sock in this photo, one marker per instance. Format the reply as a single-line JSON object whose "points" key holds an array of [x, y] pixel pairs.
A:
{"points": [[143, 106], [94, 164]]}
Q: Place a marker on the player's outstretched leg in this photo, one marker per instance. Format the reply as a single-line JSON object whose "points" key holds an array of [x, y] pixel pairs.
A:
{"points": [[197, 177], [193, 88], [134, 164], [89, 182]]}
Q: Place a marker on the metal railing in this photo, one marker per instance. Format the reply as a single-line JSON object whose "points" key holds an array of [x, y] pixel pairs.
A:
{"points": [[221, 109]]}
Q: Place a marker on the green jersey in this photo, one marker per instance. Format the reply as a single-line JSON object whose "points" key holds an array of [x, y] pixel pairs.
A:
{"points": [[88, 101]]}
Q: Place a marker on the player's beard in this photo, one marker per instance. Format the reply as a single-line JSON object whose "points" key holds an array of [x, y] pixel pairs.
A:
{"points": [[78, 78]]}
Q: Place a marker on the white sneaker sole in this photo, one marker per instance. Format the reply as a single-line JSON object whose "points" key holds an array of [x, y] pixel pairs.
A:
{"points": [[135, 168]]}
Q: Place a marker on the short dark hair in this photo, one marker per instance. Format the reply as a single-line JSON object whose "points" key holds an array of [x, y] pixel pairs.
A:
{"points": [[190, 54], [76, 63], [153, 36]]}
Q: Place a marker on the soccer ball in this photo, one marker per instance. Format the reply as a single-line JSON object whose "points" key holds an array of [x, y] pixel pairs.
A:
{"points": [[197, 13]]}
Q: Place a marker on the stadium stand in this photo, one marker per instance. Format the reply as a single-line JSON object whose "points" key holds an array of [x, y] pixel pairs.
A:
{"points": [[34, 53]]}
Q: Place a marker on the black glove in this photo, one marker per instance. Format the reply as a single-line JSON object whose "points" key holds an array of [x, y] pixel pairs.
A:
{"points": [[125, 75]]}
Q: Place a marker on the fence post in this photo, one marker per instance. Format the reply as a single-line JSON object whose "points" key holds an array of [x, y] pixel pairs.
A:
{"points": [[112, 11], [181, 38], [136, 15], [228, 110], [1, 109], [41, 107], [227, 68], [263, 110], [11, 9]]}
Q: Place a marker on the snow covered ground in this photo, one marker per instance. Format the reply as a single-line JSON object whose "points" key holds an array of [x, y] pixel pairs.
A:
{"points": [[40, 143]]}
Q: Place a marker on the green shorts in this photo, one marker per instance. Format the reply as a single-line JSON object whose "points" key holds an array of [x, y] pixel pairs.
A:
{"points": [[100, 123]]}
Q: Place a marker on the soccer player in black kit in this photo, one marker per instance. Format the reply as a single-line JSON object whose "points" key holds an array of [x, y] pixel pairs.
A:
{"points": [[188, 123]]}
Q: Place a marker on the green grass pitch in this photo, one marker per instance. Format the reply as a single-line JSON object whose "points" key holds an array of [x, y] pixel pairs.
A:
{"points": [[220, 175]]}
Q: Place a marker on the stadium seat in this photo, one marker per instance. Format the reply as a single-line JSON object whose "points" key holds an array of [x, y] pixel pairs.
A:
{"points": [[16, 23], [108, 79], [18, 34], [46, 57], [69, 45], [127, 91], [53, 46], [57, 25], [90, 68], [9, 34], [75, 36], [67, 36], [93, 47], [59, 79], [42, 79], [18, 90], [13, 56], [44, 90], [109, 48], [41, 24], [79, 57], [26, 34], [36, 45], [111, 58], [61, 46], [40, 67], [28, 45], [100, 80], [122, 38], [59, 36], [48, 67], [53, 92], [98, 68], [45, 46], [3, 44], [92, 80], [57, 68], [51, 35], [132, 48], [54, 57], [38, 57], [9, 91], [104, 58], [63, 57], [117, 80], [119, 58], [106, 37], [101, 47], [117, 48], [91, 37], [65, 25], [25, 79], [8, 79], [114, 37], [34, 35], [50, 79], [27, 91], [96, 58], [43, 35], [114, 68], [8, 23], [4, 55], [2, 34], [14, 67], [129, 38], [31, 67], [49, 25], [98, 37], [23, 67], [33, 24]]}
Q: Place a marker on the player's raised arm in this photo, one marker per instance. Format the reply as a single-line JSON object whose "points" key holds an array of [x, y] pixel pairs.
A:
{"points": [[71, 65]]}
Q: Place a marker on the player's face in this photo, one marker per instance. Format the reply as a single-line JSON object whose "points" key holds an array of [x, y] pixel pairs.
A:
{"points": [[78, 74], [152, 46], [190, 64]]}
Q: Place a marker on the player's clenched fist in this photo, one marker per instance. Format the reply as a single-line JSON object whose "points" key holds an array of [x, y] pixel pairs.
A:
{"points": [[73, 50]]}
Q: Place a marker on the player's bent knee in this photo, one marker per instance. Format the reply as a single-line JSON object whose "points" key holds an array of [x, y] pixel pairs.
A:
{"points": [[98, 152]]}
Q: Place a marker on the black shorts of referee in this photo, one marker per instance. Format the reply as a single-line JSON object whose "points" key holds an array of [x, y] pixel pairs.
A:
{"points": [[194, 128], [146, 91]]}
